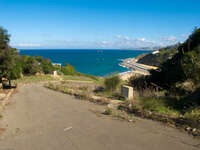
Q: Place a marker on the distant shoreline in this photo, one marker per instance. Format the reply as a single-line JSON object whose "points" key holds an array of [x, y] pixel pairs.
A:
{"points": [[25, 49], [134, 67]]}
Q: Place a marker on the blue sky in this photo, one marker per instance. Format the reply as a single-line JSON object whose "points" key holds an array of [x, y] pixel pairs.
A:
{"points": [[98, 23]]}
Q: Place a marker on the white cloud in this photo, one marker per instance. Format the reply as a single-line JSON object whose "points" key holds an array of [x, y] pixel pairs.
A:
{"points": [[118, 36], [141, 39], [169, 39], [128, 42], [119, 41], [104, 42], [127, 38], [25, 45]]}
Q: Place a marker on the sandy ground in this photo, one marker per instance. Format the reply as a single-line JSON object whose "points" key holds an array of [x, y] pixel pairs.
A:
{"points": [[127, 75], [41, 119]]}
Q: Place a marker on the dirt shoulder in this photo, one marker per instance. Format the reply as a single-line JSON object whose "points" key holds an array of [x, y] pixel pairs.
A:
{"points": [[43, 119]]}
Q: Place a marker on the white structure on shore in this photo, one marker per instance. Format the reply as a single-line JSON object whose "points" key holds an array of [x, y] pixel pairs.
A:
{"points": [[155, 52], [57, 64]]}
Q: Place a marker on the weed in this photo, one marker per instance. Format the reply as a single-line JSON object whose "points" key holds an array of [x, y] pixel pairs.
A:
{"points": [[108, 111], [194, 114], [119, 116], [67, 90]]}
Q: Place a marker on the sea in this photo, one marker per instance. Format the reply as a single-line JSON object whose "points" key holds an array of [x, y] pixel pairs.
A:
{"points": [[99, 62]]}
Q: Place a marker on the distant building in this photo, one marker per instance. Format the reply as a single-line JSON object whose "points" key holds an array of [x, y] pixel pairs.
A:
{"points": [[57, 64], [155, 52]]}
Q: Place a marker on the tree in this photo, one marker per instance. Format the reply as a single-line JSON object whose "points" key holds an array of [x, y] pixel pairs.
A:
{"points": [[4, 38], [30, 65], [45, 64], [9, 67]]}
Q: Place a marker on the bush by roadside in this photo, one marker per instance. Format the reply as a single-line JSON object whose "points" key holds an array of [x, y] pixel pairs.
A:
{"points": [[111, 83]]}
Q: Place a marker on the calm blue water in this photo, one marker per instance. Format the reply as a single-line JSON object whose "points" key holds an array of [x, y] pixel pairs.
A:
{"points": [[95, 62]]}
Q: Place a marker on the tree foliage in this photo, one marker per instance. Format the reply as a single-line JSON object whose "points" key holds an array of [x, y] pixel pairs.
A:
{"points": [[9, 67], [69, 70], [13, 65], [4, 39]]}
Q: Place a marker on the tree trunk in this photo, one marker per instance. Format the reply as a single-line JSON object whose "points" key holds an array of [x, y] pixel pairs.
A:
{"points": [[9, 83]]}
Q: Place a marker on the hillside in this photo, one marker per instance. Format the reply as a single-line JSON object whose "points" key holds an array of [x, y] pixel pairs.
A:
{"points": [[183, 66], [157, 59], [174, 88]]}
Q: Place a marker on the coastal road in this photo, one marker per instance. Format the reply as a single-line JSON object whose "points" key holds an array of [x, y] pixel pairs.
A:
{"points": [[138, 67], [143, 69], [41, 119]]}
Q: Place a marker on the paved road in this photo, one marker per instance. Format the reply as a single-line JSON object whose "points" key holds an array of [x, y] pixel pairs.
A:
{"points": [[41, 119], [137, 67]]}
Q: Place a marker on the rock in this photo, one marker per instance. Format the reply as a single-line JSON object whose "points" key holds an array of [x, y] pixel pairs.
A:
{"points": [[111, 106], [2, 95], [188, 129], [69, 128], [99, 100], [96, 97], [130, 106], [114, 104], [115, 101], [194, 130]]}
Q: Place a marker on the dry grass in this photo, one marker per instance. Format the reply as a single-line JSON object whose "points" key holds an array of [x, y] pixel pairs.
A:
{"points": [[81, 90]]}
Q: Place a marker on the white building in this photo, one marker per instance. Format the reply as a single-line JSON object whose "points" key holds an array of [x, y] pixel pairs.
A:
{"points": [[155, 52]]}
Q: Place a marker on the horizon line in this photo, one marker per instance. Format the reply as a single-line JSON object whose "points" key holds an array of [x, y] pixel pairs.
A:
{"points": [[81, 49]]}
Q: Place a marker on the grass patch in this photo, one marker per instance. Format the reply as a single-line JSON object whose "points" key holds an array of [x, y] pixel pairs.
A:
{"points": [[110, 95], [97, 80], [81, 90], [75, 78], [1, 116], [38, 78], [108, 111], [158, 105], [193, 114], [119, 116]]}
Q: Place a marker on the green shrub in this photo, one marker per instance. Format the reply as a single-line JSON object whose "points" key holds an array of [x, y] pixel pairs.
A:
{"points": [[68, 70], [191, 65], [158, 105], [193, 114], [30, 65], [108, 111], [111, 83], [45, 64]]}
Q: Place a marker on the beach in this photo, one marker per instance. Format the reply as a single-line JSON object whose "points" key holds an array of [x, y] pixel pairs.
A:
{"points": [[135, 68]]}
